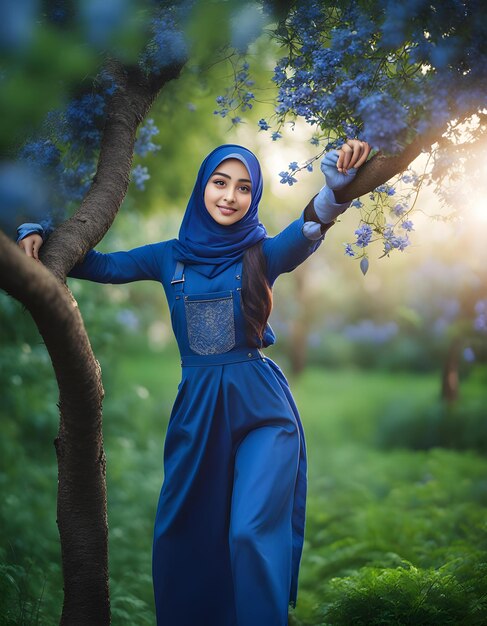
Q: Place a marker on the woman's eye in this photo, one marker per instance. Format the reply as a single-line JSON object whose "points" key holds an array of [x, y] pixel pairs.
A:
{"points": [[219, 182], [245, 189]]}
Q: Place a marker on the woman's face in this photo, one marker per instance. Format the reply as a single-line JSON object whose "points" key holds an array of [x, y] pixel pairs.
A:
{"points": [[228, 192]]}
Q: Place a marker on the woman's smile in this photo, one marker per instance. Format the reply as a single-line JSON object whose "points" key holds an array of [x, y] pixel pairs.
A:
{"points": [[226, 210]]}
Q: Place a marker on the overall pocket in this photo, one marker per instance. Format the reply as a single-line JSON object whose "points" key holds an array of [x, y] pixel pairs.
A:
{"points": [[210, 322]]}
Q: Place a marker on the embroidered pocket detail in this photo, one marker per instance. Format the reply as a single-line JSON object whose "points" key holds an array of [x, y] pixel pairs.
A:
{"points": [[210, 322]]}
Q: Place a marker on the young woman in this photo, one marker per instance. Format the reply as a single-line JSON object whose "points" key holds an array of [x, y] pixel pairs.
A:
{"points": [[229, 527]]}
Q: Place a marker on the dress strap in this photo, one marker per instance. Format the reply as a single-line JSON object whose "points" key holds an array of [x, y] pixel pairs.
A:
{"points": [[238, 276], [178, 278]]}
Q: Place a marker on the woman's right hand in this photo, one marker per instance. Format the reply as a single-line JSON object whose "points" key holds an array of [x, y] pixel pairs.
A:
{"points": [[30, 245]]}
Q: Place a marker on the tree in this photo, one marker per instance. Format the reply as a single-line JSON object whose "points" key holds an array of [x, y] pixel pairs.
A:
{"points": [[406, 78], [404, 63]]}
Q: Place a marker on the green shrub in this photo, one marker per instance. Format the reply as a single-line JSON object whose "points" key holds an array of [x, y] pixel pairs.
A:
{"points": [[399, 596]]}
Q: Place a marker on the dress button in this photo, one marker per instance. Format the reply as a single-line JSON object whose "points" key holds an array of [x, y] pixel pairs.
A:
{"points": [[237, 276], [249, 355]]}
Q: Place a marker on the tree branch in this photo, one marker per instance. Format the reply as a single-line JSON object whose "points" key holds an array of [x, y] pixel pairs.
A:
{"points": [[81, 510], [379, 169], [127, 108]]}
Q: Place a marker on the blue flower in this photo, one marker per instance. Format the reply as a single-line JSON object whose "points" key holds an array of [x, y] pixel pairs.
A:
{"points": [[139, 175], [480, 321], [167, 46], [288, 178], [275, 136], [263, 125], [293, 166], [407, 225], [364, 235], [390, 191], [42, 153], [399, 209], [349, 250], [391, 240], [144, 144]]}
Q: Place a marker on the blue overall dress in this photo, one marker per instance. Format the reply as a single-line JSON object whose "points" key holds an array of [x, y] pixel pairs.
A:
{"points": [[229, 526]]}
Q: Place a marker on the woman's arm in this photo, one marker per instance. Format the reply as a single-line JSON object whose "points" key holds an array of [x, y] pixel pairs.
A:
{"points": [[142, 263], [303, 236]]}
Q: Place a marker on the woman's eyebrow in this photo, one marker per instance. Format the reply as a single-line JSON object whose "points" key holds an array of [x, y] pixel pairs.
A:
{"points": [[240, 180]]}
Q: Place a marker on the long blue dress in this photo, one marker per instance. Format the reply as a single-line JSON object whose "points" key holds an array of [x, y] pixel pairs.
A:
{"points": [[229, 527]]}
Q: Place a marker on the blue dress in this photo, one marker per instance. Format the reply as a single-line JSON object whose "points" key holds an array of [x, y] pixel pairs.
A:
{"points": [[229, 527]]}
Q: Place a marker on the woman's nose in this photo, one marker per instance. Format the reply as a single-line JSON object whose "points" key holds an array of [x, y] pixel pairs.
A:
{"points": [[229, 194]]}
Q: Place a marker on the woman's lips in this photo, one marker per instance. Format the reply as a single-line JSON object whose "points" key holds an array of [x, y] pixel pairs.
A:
{"points": [[226, 210]]}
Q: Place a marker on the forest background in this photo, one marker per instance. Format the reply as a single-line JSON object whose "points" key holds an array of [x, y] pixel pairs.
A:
{"points": [[388, 368]]}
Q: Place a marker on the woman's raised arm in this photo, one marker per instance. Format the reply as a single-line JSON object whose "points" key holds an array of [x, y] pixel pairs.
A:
{"points": [[142, 263], [303, 236]]}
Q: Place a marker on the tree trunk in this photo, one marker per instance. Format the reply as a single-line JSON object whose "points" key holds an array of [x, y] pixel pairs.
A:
{"points": [[450, 378], [81, 508]]}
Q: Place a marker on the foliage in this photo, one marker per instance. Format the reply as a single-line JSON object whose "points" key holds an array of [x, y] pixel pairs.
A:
{"points": [[369, 510], [380, 69], [387, 73], [403, 595], [422, 426]]}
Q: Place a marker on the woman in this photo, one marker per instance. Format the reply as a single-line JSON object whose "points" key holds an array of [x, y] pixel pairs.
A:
{"points": [[229, 527]]}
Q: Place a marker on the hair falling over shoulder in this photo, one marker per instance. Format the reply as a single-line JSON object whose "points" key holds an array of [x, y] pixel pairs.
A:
{"points": [[256, 294]]}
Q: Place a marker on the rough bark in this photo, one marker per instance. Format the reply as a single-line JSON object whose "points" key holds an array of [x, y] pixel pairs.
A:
{"points": [[81, 509], [379, 169]]}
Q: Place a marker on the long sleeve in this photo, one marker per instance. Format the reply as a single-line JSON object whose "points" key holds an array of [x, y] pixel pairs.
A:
{"points": [[143, 263], [291, 246]]}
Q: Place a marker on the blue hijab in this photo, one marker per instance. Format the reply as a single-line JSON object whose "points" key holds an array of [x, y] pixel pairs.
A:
{"points": [[203, 242]]}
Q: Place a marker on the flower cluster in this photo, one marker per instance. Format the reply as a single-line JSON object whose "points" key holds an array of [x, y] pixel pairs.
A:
{"points": [[288, 178], [368, 331], [480, 321], [239, 96], [144, 143], [41, 154], [168, 45], [76, 180], [364, 235], [384, 72], [394, 241], [140, 174]]}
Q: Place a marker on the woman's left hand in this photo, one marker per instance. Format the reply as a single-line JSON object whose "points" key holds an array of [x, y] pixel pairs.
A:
{"points": [[340, 166]]}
